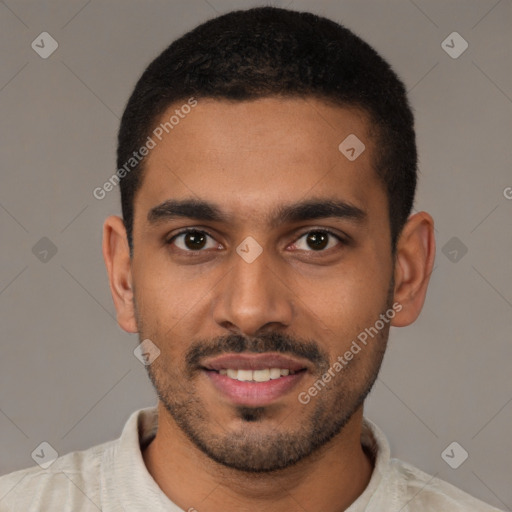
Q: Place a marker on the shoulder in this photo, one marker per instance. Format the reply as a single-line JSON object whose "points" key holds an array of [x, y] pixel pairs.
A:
{"points": [[82, 480], [74, 479], [398, 485], [423, 492]]}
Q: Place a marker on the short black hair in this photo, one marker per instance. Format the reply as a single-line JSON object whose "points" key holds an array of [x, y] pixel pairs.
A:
{"points": [[269, 51]]}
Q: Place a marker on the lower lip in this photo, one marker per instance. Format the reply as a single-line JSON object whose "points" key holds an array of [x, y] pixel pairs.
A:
{"points": [[255, 394]]}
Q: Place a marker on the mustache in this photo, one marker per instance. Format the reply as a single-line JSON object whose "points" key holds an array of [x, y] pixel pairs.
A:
{"points": [[266, 342]]}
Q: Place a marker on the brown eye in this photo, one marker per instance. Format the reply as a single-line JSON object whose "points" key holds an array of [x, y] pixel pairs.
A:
{"points": [[318, 240], [191, 240], [194, 241]]}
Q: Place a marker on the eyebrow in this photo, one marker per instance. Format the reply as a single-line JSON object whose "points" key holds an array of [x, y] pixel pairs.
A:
{"points": [[311, 209]]}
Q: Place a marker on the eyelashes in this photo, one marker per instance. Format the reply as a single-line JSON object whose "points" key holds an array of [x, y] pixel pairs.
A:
{"points": [[194, 231]]}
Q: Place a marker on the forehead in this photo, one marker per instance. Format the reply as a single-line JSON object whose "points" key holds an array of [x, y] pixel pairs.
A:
{"points": [[251, 156]]}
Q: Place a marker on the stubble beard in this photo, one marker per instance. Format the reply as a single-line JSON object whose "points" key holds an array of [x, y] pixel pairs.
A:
{"points": [[257, 444]]}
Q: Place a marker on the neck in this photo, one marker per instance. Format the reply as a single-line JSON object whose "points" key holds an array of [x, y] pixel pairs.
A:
{"points": [[192, 480]]}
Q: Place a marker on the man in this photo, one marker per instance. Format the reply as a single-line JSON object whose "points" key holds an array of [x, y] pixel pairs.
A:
{"points": [[267, 165]]}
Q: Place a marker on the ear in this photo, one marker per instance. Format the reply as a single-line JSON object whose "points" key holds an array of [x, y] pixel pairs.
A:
{"points": [[414, 260], [116, 254]]}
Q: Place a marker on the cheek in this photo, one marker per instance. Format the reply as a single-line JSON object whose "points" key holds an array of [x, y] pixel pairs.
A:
{"points": [[347, 301], [163, 295], [171, 310]]}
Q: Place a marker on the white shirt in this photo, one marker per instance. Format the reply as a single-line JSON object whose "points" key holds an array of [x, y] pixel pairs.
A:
{"points": [[112, 477]]}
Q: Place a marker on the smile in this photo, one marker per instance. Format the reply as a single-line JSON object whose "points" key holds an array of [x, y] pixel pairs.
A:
{"points": [[256, 375], [254, 379]]}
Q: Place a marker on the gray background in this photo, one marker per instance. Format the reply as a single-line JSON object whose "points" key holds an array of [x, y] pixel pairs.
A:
{"points": [[68, 375]]}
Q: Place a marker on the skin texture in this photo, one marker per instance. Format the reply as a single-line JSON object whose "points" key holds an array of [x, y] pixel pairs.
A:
{"points": [[248, 158]]}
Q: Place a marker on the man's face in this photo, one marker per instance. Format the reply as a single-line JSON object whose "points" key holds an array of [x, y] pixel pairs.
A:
{"points": [[211, 303]]}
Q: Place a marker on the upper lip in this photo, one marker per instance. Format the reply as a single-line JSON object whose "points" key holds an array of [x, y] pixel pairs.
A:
{"points": [[253, 362]]}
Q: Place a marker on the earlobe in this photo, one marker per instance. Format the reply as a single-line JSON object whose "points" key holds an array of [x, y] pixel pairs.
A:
{"points": [[117, 260], [414, 261]]}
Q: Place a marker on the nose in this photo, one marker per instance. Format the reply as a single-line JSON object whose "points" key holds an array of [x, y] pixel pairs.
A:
{"points": [[253, 297]]}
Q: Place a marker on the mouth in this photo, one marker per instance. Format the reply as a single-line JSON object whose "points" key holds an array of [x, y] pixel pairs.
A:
{"points": [[254, 379]]}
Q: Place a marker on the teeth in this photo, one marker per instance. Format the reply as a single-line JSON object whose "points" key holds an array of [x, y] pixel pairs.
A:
{"points": [[244, 375], [256, 375], [260, 375], [275, 373]]}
